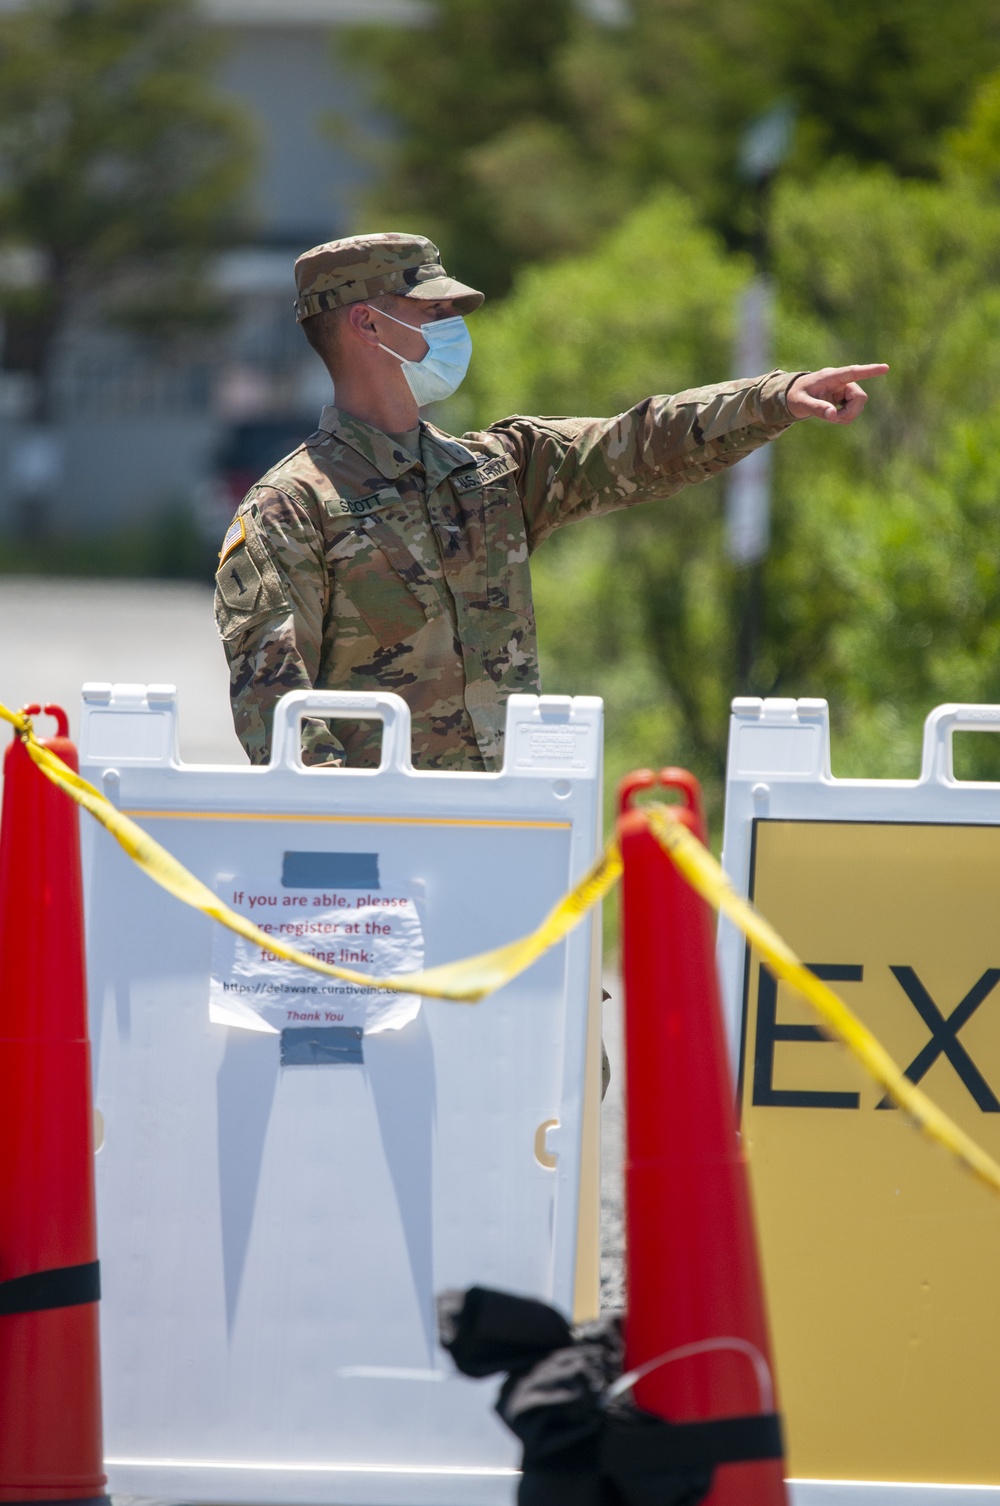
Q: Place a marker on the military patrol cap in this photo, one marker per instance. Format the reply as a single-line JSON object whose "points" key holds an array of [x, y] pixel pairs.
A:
{"points": [[359, 267]]}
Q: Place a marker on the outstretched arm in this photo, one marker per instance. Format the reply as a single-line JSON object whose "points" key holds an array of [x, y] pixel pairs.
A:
{"points": [[571, 468]]}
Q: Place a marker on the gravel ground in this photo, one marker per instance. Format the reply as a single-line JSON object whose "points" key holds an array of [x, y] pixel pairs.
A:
{"points": [[57, 633]]}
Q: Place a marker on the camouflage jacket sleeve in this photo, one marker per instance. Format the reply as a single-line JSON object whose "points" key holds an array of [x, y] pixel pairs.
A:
{"points": [[270, 601], [572, 468]]}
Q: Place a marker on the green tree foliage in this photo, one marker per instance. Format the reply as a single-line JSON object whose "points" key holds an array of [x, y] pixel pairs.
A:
{"points": [[879, 80], [650, 308], [972, 150], [866, 263], [882, 588], [117, 163], [456, 88], [525, 130]]}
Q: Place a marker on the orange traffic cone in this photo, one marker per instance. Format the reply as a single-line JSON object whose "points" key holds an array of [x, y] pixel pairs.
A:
{"points": [[50, 1412], [696, 1327]]}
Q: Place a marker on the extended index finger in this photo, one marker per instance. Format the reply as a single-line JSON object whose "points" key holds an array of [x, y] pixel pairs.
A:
{"points": [[859, 373]]}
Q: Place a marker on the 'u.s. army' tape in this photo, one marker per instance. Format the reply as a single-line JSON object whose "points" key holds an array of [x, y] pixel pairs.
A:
{"points": [[473, 978]]}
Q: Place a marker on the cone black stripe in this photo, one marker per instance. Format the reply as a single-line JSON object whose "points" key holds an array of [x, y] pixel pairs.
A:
{"points": [[65, 1286]]}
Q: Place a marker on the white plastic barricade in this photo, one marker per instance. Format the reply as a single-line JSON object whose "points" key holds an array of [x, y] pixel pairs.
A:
{"points": [[880, 1253], [282, 1188]]}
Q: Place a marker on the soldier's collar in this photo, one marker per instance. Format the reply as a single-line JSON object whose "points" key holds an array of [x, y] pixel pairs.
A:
{"points": [[441, 454], [388, 458]]}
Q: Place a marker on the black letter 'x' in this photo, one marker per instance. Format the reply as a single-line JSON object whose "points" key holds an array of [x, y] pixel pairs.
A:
{"points": [[944, 1034]]}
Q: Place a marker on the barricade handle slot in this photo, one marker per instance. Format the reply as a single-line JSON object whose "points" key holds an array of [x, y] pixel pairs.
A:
{"points": [[937, 763], [391, 710]]}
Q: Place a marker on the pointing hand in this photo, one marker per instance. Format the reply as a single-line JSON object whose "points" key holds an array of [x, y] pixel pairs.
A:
{"points": [[832, 394]]}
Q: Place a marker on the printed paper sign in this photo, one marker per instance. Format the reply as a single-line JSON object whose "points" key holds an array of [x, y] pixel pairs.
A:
{"points": [[370, 931]]}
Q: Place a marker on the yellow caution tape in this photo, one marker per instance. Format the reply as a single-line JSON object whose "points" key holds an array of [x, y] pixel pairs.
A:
{"points": [[705, 875], [472, 978], [464, 982]]}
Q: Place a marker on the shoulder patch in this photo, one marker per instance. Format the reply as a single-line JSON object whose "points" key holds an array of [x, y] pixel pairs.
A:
{"points": [[235, 536], [489, 469], [239, 585]]}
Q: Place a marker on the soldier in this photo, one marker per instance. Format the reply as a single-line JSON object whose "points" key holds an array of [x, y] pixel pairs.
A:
{"points": [[385, 554]]}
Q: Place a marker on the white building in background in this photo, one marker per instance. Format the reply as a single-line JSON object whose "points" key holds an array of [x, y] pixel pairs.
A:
{"points": [[135, 436], [282, 66]]}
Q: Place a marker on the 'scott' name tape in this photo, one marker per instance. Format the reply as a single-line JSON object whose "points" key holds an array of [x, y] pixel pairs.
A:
{"points": [[473, 978]]}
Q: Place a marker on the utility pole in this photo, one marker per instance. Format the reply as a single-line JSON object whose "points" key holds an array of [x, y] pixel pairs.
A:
{"points": [[763, 148]]}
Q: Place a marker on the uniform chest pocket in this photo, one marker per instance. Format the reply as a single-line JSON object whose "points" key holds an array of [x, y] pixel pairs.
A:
{"points": [[384, 583]]}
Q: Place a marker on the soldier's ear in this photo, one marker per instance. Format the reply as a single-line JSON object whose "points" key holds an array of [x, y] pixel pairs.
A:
{"points": [[361, 325]]}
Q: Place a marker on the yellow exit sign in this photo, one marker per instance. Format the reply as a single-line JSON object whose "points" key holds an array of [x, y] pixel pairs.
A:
{"points": [[882, 1258]]}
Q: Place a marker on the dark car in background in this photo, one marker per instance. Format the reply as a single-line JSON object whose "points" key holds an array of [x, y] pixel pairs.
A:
{"points": [[248, 451]]}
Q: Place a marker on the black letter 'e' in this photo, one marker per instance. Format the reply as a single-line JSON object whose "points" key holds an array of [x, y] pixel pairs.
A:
{"points": [[769, 1032]]}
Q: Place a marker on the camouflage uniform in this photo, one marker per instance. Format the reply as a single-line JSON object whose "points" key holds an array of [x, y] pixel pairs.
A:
{"points": [[356, 565]]}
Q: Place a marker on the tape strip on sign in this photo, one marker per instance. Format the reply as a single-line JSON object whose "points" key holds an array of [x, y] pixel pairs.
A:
{"points": [[703, 873], [468, 981], [464, 982]]}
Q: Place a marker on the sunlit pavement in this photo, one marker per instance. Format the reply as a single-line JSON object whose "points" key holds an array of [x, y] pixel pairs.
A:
{"points": [[55, 634]]}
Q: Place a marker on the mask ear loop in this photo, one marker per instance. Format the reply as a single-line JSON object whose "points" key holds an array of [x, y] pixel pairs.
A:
{"points": [[391, 316], [388, 348]]}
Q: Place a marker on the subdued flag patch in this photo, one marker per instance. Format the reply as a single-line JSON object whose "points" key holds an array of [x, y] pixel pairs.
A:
{"points": [[235, 535]]}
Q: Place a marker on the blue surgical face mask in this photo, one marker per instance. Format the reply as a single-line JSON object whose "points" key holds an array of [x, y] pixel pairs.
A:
{"points": [[440, 372]]}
